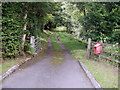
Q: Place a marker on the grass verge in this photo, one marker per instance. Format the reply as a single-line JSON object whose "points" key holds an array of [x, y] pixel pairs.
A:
{"points": [[54, 43], [104, 73]]}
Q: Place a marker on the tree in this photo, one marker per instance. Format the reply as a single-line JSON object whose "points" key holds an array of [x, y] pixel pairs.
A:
{"points": [[22, 19], [101, 20]]}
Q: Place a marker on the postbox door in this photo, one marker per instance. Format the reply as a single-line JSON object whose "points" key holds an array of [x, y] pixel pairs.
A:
{"points": [[98, 50]]}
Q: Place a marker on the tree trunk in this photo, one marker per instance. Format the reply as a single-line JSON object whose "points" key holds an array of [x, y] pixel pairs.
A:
{"points": [[24, 35], [84, 11]]}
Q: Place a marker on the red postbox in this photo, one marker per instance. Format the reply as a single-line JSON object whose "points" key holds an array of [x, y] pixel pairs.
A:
{"points": [[97, 48]]}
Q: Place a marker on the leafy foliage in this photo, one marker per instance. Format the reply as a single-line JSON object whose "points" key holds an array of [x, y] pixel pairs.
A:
{"points": [[11, 29], [100, 21], [38, 15]]}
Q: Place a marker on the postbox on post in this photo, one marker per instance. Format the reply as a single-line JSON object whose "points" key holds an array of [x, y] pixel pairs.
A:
{"points": [[97, 48]]}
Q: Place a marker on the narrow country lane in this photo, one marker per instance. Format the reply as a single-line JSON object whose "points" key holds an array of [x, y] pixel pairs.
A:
{"points": [[55, 69]]}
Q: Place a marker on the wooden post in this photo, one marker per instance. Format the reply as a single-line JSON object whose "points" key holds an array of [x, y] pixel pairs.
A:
{"points": [[32, 41], [101, 51], [89, 48]]}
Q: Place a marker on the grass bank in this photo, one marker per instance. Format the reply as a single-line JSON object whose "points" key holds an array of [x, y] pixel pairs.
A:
{"points": [[104, 73], [6, 64]]}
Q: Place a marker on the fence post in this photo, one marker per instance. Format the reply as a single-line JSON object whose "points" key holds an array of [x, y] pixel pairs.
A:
{"points": [[89, 48], [32, 41], [101, 51]]}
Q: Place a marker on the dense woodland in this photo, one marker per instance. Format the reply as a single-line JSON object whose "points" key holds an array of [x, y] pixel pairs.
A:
{"points": [[99, 21]]}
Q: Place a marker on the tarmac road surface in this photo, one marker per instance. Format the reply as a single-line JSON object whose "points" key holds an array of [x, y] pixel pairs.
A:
{"points": [[48, 72]]}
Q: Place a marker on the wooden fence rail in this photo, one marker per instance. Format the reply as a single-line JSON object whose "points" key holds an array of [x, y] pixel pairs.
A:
{"points": [[109, 52]]}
